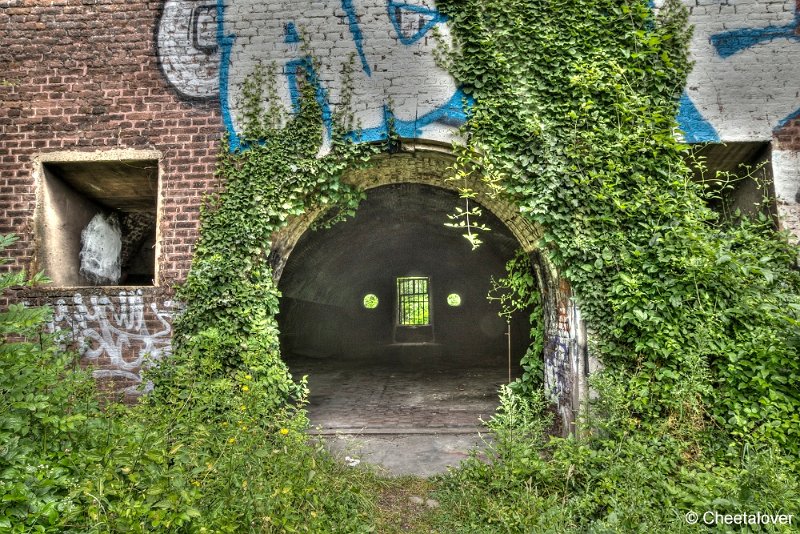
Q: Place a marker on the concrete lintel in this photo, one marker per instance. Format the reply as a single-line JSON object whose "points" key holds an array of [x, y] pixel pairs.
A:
{"points": [[116, 154]]}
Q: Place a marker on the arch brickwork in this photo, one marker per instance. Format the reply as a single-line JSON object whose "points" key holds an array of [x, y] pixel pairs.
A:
{"points": [[566, 355]]}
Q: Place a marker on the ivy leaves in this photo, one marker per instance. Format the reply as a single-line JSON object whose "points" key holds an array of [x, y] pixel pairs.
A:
{"points": [[229, 325], [574, 122]]}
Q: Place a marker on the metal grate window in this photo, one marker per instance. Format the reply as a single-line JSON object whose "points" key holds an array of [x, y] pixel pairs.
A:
{"points": [[413, 301]]}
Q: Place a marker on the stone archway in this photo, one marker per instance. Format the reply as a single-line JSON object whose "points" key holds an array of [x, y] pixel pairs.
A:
{"points": [[566, 357]]}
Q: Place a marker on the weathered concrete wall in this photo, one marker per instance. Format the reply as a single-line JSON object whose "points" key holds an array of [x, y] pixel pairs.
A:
{"points": [[63, 214], [786, 178]]}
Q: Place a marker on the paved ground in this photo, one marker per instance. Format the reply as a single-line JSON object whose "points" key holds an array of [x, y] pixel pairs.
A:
{"points": [[410, 417]]}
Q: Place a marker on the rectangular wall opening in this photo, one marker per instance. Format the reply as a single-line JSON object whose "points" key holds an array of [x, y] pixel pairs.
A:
{"points": [[413, 301], [97, 221], [737, 176]]}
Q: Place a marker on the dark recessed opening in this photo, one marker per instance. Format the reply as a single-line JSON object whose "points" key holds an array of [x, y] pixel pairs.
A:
{"points": [[737, 176], [97, 222], [415, 360]]}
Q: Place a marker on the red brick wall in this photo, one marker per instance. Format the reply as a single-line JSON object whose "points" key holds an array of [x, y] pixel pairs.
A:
{"points": [[83, 75], [788, 137], [116, 332]]}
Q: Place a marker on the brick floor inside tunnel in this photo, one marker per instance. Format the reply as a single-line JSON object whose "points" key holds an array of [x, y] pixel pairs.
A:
{"points": [[387, 314], [415, 417]]}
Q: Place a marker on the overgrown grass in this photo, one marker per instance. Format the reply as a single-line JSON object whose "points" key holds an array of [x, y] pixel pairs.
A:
{"points": [[619, 479]]}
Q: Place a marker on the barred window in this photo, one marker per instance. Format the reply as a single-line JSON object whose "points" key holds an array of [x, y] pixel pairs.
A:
{"points": [[413, 301]]}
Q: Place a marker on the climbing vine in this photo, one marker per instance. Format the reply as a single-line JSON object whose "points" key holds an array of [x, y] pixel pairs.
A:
{"points": [[574, 121], [694, 316], [517, 292], [696, 322], [229, 326]]}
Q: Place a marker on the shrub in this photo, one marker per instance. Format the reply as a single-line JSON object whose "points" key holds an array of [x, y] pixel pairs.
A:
{"points": [[48, 414]]}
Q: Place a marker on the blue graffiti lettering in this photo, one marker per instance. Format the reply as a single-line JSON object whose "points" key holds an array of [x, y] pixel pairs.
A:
{"points": [[695, 127], [355, 31], [405, 89], [427, 19], [305, 65], [734, 41], [290, 33]]}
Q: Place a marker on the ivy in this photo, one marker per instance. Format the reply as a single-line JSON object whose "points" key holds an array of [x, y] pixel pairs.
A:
{"points": [[574, 122], [229, 325], [518, 292]]}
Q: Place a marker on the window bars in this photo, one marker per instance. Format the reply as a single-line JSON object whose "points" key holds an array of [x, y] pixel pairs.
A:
{"points": [[413, 301]]}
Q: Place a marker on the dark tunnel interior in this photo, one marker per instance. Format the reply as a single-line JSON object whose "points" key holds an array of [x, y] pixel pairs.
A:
{"points": [[398, 231]]}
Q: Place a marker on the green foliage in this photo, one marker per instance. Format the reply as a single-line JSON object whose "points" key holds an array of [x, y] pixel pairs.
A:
{"points": [[229, 324], [574, 123], [498, 490], [619, 479], [47, 411], [695, 316], [518, 292], [222, 462], [219, 445]]}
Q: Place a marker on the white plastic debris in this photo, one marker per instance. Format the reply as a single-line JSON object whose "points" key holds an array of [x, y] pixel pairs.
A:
{"points": [[101, 243]]}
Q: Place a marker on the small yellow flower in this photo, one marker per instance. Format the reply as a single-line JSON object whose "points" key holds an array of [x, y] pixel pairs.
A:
{"points": [[232, 440], [248, 377], [196, 483], [245, 388], [313, 514], [284, 431], [243, 407]]}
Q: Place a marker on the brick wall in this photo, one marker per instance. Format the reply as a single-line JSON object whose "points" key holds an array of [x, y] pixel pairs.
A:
{"points": [[117, 332], [164, 76], [83, 75]]}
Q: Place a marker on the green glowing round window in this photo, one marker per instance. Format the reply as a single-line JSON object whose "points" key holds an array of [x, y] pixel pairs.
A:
{"points": [[454, 299], [370, 301]]}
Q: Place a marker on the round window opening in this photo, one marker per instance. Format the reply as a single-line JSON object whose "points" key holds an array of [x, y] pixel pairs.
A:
{"points": [[454, 299], [370, 301]]}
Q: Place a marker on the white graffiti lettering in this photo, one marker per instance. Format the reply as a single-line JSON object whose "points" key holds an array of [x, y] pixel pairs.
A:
{"points": [[187, 47], [112, 332]]}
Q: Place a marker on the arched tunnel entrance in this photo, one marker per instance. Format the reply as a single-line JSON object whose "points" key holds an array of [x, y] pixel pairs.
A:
{"points": [[387, 315]]}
